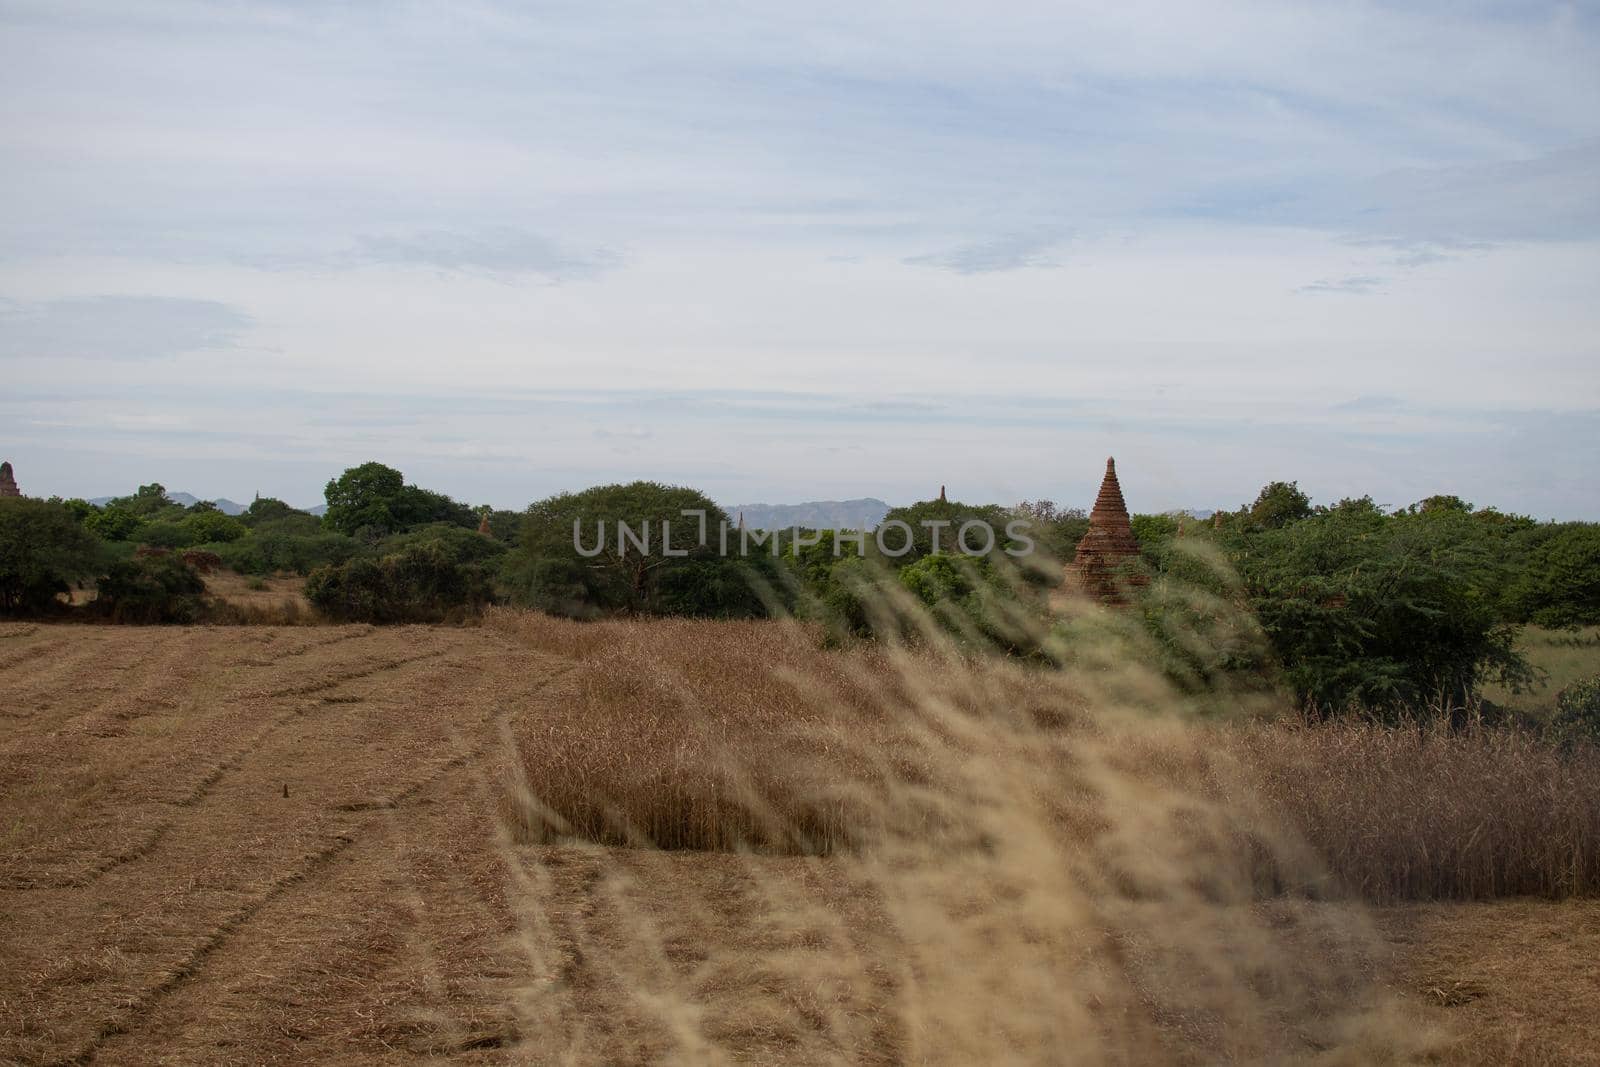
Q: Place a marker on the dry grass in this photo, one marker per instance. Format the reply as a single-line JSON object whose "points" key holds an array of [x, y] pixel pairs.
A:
{"points": [[1049, 874], [1423, 813]]}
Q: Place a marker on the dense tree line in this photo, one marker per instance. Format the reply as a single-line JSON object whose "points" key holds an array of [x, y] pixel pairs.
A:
{"points": [[1354, 606]]}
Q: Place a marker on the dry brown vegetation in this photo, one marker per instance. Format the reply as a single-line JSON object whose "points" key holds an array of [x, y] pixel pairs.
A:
{"points": [[1425, 812], [540, 841]]}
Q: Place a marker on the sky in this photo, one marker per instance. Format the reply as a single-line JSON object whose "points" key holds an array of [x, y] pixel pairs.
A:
{"points": [[797, 252]]}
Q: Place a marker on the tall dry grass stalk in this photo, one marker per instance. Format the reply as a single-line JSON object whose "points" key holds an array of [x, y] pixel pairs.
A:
{"points": [[1056, 870]]}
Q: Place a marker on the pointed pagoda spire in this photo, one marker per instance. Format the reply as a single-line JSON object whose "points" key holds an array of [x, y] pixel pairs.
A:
{"points": [[8, 482], [483, 526], [1108, 543], [741, 521], [942, 500]]}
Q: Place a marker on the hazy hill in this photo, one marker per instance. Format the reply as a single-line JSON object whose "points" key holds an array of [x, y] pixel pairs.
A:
{"points": [[862, 514]]}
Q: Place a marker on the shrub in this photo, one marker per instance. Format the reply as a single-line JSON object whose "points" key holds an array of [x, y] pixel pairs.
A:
{"points": [[421, 583], [164, 533], [43, 549], [1577, 715], [113, 523], [285, 546], [213, 526], [151, 589], [460, 544]]}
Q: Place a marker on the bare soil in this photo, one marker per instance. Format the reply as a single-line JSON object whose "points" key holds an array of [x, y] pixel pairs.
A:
{"points": [[263, 845]]}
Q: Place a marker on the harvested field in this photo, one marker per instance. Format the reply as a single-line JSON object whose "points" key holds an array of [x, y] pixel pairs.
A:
{"points": [[262, 844]]}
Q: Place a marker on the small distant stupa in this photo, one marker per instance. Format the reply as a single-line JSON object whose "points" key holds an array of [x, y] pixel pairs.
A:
{"points": [[8, 481], [483, 526], [1108, 543], [942, 500]]}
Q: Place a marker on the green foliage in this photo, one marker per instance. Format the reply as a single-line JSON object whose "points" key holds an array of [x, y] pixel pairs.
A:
{"points": [[851, 600], [163, 533], [547, 571], [460, 544], [372, 501], [1153, 530], [363, 497], [420, 583], [113, 522], [948, 517], [1441, 502], [287, 545], [1382, 612], [1557, 583], [419, 507], [269, 509], [81, 509], [43, 548], [1577, 715], [1055, 531], [145, 502], [212, 526], [151, 589], [1277, 505], [1195, 610]]}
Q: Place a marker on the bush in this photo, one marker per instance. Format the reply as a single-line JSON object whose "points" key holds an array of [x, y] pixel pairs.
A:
{"points": [[421, 583], [164, 533], [1577, 715], [286, 546], [113, 523], [213, 527], [460, 544], [43, 549], [151, 589]]}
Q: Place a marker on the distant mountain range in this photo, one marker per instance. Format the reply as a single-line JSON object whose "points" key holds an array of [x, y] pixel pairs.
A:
{"points": [[224, 505], [861, 514]]}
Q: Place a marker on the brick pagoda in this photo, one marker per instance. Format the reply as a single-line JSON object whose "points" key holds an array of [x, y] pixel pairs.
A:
{"points": [[8, 481], [1107, 545]]}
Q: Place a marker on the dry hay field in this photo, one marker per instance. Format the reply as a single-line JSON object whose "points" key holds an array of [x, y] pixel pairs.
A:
{"points": [[534, 841]]}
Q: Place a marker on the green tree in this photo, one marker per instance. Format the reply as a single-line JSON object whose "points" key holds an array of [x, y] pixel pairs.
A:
{"points": [[43, 549], [1557, 580], [146, 501], [940, 522], [1384, 612], [611, 572], [267, 509], [1279, 504], [113, 522], [373, 500], [364, 497], [213, 527]]}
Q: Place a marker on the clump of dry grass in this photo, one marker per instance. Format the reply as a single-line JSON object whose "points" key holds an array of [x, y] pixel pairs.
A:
{"points": [[1426, 812], [704, 735]]}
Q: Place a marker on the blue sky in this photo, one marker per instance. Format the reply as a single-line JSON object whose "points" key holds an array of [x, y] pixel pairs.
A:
{"points": [[828, 250]]}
